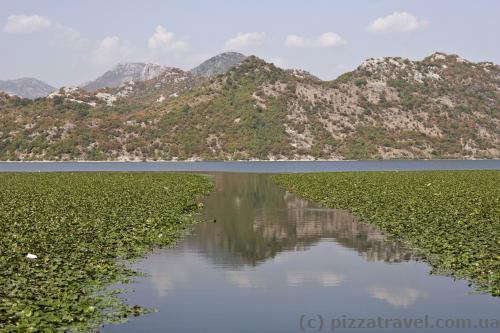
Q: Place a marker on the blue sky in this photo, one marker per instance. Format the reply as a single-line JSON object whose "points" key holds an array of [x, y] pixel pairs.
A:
{"points": [[70, 42]]}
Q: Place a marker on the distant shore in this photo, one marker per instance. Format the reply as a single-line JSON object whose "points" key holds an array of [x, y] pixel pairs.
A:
{"points": [[246, 161], [249, 166]]}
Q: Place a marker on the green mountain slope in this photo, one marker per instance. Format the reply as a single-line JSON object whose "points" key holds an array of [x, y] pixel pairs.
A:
{"points": [[440, 107]]}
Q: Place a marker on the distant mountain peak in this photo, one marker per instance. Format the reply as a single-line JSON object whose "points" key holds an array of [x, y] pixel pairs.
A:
{"points": [[388, 108], [230, 54], [218, 64], [26, 87], [139, 71], [124, 72]]}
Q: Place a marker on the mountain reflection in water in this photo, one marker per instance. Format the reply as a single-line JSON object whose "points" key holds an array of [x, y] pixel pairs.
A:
{"points": [[265, 257], [256, 220]]}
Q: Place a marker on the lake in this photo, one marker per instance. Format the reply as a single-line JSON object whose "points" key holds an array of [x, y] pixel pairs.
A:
{"points": [[265, 260], [253, 167]]}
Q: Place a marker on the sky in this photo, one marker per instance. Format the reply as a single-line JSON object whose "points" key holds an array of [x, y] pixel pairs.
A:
{"points": [[71, 42]]}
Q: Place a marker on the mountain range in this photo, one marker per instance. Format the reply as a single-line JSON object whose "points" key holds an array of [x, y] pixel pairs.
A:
{"points": [[122, 74], [234, 107]]}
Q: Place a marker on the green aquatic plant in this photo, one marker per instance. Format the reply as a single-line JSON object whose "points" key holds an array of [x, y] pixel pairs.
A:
{"points": [[66, 237], [452, 218]]}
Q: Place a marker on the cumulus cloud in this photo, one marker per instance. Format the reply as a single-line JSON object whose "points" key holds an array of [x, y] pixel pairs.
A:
{"points": [[243, 40], [166, 41], [26, 23], [110, 50], [396, 22], [35, 23], [327, 39]]}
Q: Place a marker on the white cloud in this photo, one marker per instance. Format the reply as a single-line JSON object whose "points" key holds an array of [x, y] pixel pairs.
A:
{"points": [[26, 23], [166, 41], [327, 39], [111, 50], [243, 40], [36, 23], [396, 22]]}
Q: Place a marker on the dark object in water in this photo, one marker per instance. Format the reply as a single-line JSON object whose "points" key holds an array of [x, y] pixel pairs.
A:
{"points": [[215, 221]]}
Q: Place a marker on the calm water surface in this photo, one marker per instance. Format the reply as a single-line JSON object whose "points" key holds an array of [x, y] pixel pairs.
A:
{"points": [[272, 258], [254, 167]]}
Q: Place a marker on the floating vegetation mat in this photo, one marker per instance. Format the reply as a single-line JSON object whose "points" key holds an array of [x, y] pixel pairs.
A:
{"points": [[65, 237], [452, 218]]}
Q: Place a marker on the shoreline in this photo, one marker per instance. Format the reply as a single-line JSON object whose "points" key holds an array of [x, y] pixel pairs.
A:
{"points": [[249, 166], [249, 161]]}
